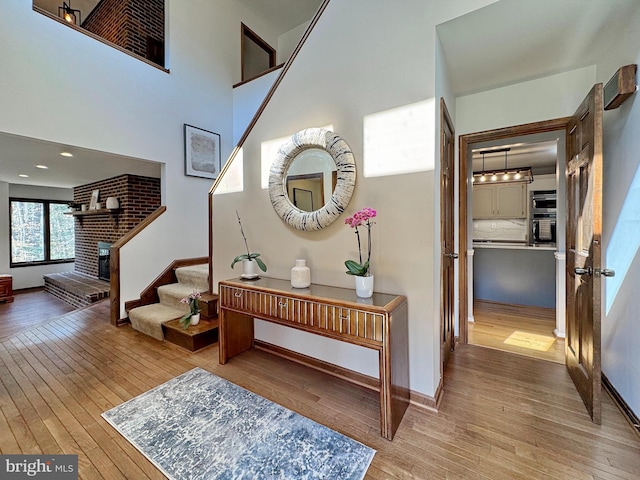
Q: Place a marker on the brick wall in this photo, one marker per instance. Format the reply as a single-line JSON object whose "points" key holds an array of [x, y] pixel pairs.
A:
{"points": [[128, 23], [138, 197]]}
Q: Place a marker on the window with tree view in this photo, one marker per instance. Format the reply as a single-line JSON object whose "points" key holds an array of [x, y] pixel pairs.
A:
{"points": [[41, 232]]}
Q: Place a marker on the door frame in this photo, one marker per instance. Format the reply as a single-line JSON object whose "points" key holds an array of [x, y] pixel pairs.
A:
{"points": [[464, 142], [447, 154]]}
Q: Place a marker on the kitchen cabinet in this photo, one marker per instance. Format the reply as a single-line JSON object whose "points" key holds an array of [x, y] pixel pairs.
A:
{"points": [[506, 200]]}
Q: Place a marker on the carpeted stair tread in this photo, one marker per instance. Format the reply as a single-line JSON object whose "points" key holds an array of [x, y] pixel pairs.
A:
{"points": [[148, 319], [196, 276], [172, 293]]}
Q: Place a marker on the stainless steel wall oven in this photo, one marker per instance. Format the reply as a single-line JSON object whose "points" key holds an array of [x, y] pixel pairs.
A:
{"points": [[542, 217]]}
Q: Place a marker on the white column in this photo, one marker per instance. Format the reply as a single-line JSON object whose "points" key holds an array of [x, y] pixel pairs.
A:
{"points": [[470, 285], [561, 260]]}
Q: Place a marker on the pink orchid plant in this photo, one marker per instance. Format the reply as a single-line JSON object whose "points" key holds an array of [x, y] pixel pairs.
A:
{"points": [[361, 219], [194, 307]]}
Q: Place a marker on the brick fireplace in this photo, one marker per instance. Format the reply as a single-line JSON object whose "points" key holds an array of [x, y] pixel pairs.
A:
{"points": [[95, 232], [138, 197]]}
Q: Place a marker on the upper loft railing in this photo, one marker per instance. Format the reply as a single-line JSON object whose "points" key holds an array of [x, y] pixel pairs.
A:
{"points": [[252, 124], [97, 37], [269, 70]]}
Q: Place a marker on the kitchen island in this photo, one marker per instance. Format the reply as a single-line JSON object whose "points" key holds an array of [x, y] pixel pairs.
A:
{"points": [[514, 273]]}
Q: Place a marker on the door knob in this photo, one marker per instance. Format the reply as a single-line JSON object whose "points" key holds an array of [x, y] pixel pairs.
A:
{"points": [[452, 255], [583, 271], [605, 272]]}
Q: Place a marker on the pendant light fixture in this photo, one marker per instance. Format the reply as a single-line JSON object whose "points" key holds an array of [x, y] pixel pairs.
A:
{"points": [[70, 15], [506, 175]]}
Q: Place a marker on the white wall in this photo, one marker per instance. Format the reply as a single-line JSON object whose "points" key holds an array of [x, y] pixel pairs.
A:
{"points": [[363, 78], [545, 98], [124, 106], [287, 42], [247, 98], [27, 277], [621, 228]]}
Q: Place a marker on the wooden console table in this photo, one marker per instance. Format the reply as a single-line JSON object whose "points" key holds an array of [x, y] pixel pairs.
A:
{"points": [[379, 323]]}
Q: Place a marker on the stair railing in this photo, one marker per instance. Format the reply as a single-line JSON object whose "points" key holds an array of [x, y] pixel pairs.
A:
{"points": [[114, 264], [253, 122]]}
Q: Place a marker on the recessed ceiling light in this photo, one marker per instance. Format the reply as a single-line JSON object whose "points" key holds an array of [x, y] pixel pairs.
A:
{"points": [[23, 175], [66, 154], [44, 167]]}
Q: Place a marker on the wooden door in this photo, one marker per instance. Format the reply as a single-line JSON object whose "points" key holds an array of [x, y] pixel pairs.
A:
{"points": [[447, 185], [584, 235]]}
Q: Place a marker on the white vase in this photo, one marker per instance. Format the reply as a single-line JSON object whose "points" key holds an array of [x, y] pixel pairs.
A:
{"points": [[300, 275], [195, 318], [112, 203], [249, 268], [364, 286]]}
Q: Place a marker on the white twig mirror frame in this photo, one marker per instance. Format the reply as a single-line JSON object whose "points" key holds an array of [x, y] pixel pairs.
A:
{"points": [[346, 179]]}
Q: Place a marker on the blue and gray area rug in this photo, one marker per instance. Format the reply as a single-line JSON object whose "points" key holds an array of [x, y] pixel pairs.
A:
{"points": [[200, 426]]}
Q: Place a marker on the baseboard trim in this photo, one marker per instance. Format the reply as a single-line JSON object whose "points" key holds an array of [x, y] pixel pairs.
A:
{"points": [[631, 417], [419, 400]]}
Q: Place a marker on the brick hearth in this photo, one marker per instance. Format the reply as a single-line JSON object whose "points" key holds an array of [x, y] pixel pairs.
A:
{"points": [[77, 289]]}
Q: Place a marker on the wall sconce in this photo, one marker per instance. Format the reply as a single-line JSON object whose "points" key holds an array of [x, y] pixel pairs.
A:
{"points": [[506, 175], [70, 15]]}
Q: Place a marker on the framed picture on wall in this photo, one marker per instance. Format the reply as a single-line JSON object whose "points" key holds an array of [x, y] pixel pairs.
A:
{"points": [[201, 153]]}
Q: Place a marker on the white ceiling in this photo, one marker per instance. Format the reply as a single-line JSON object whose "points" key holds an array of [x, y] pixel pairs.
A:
{"points": [[283, 15], [512, 41], [20, 155], [540, 156]]}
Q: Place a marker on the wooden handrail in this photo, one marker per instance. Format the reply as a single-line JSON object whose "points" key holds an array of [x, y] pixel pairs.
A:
{"points": [[261, 74], [150, 294], [114, 263], [252, 124]]}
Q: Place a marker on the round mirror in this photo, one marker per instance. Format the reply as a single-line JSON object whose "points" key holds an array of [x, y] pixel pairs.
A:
{"points": [[312, 179]]}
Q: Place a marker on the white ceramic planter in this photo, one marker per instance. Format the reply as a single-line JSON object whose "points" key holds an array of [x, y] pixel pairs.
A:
{"points": [[364, 286]]}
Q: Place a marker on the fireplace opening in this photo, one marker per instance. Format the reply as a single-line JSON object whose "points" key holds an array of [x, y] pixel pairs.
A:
{"points": [[104, 272]]}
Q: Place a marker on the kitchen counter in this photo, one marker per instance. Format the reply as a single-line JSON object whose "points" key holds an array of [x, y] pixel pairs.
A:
{"points": [[513, 246], [514, 274]]}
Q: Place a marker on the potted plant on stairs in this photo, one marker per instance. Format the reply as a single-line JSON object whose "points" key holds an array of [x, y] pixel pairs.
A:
{"points": [[193, 317]]}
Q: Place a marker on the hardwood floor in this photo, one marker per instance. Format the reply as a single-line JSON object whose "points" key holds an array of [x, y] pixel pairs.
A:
{"points": [[517, 329], [30, 307], [503, 416]]}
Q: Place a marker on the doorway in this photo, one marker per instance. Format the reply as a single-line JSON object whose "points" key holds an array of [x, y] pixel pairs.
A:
{"points": [[492, 323], [513, 231]]}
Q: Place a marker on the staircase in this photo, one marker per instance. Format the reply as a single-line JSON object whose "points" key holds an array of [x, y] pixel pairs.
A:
{"points": [[148, 319]]}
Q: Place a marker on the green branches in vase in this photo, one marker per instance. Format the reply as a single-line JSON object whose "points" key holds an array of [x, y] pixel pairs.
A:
{"points": [[248, 256]]}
